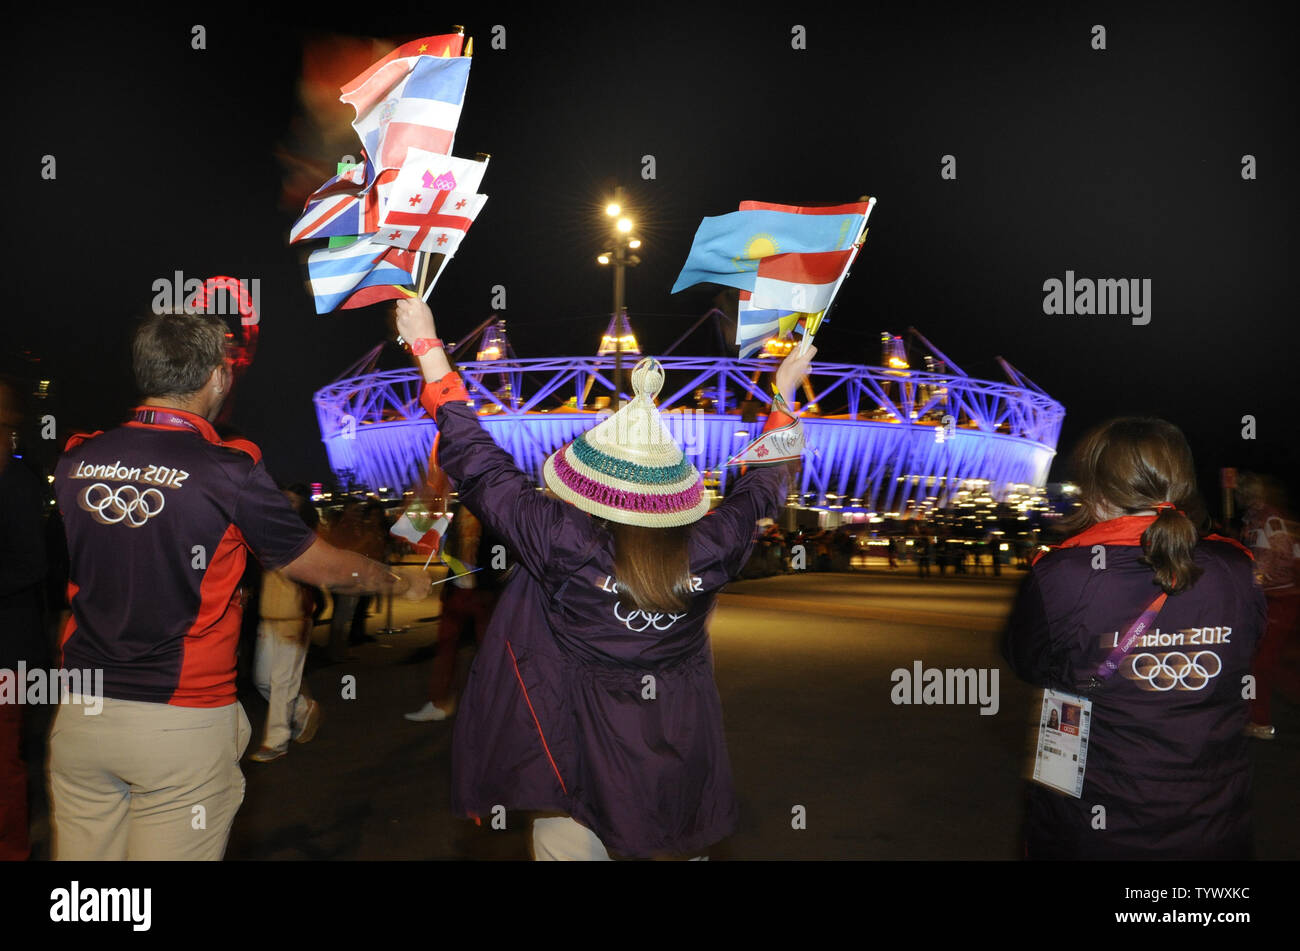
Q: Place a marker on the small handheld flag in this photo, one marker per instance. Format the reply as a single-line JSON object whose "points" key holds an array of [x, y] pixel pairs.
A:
{"points": [[783, 444], [727, 249], [423, 531], [787, 261]]}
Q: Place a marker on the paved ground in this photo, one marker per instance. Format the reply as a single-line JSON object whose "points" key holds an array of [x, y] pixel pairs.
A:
{"points": [[803, 667]]}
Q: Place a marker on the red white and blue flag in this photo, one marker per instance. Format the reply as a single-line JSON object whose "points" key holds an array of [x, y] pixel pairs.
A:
{"points": [[339, 208], [409, 102]]}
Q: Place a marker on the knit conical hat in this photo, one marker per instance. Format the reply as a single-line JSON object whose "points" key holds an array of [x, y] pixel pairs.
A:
{"points": [[629, 468]]}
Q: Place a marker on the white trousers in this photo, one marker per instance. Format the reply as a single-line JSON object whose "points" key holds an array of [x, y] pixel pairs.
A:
{"points": [[277, 672], [564, 839], [145, 780]]}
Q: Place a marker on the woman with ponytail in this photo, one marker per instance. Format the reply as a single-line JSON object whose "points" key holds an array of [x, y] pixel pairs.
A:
{"points": [[592, 699], [1156, 624]]}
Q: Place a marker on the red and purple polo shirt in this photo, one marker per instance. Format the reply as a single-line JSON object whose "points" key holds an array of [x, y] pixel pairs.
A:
{"points": [[160, 514]]}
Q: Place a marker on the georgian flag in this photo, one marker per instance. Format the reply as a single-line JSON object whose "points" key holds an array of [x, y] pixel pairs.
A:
{"points": [[432, 203], [429, 220]]}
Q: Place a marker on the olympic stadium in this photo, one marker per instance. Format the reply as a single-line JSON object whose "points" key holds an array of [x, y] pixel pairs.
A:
{"points": [[902, 438]]}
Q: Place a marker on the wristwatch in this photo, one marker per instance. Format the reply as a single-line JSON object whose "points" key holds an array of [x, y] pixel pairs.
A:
{"points": [[424, 345]]}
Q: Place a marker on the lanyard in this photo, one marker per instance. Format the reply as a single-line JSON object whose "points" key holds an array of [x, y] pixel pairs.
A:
{"points": [[1121, 648], [161, 417]]}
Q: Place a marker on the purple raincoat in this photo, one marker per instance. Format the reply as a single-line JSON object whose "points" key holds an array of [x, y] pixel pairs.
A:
{"points": [[577, 702]]}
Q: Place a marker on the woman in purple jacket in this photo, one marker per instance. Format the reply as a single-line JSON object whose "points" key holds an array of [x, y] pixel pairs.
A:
{"points": [[592, 697], [1166, 774]]}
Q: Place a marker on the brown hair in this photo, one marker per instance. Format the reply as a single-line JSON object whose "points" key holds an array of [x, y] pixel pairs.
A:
{"points": [[1133, 464], [173, 354], [651, 564]]}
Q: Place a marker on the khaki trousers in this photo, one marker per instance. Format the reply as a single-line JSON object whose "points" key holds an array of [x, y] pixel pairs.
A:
{"points": [[564, 839], [277, 672], [145, 780]]}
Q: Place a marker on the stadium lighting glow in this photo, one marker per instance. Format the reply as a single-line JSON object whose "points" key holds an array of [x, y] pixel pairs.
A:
{"points": [[532, 410]]}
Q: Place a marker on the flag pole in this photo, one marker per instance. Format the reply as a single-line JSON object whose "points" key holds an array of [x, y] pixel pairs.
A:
{"points": [[806, 339], [424, 296], [422, 288]]}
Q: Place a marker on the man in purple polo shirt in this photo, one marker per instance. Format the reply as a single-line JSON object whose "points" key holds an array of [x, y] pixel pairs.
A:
{"points": [[160, 514]]}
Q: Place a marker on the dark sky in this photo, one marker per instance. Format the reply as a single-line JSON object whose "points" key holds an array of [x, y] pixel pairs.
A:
{"points": [[1122, 163]]}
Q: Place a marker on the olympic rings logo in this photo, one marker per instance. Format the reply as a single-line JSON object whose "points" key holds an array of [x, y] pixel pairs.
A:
{"points": [[646, 620], [126, 503], [1163, 672]]}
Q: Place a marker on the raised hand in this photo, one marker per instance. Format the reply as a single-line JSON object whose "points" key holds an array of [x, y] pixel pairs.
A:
{"points": [[792, 370], [414, 319]]}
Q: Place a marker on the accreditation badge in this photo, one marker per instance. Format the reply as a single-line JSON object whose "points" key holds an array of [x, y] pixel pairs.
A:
{"points": [[1063, 741]]}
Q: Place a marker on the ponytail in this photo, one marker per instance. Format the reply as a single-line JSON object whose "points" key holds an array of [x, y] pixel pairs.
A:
{"points": [[1125, 465], [1169, 546]]}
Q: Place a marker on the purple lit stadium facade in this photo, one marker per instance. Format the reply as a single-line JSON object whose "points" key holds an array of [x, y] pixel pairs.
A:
{"points": [[887, 439]]}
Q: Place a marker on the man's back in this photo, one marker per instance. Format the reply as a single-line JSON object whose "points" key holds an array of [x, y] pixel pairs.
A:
{"points": [[159, 517]]}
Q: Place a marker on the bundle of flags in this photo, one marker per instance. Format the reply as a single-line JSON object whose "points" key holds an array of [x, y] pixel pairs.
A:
{"points": [[787, 262], [409, 195]]}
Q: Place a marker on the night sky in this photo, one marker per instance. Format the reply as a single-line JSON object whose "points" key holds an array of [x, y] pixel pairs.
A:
{"points": [[1122, 163]]}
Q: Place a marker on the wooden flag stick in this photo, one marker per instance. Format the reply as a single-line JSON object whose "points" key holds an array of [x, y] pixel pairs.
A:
{"points": [[421, 268], [441, 266]]}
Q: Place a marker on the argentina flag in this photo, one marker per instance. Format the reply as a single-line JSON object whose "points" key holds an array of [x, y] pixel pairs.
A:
{"points": [[337, 274]]}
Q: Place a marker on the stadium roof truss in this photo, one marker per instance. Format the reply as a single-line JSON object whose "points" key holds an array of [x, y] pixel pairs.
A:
{"points": [[897, 437]]}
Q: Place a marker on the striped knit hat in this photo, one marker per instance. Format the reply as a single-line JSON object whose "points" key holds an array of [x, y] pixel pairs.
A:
{"points": [[628, 468]]}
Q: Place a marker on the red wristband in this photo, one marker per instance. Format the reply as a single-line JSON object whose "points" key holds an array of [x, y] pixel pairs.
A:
{"points": [[424, 345]]}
